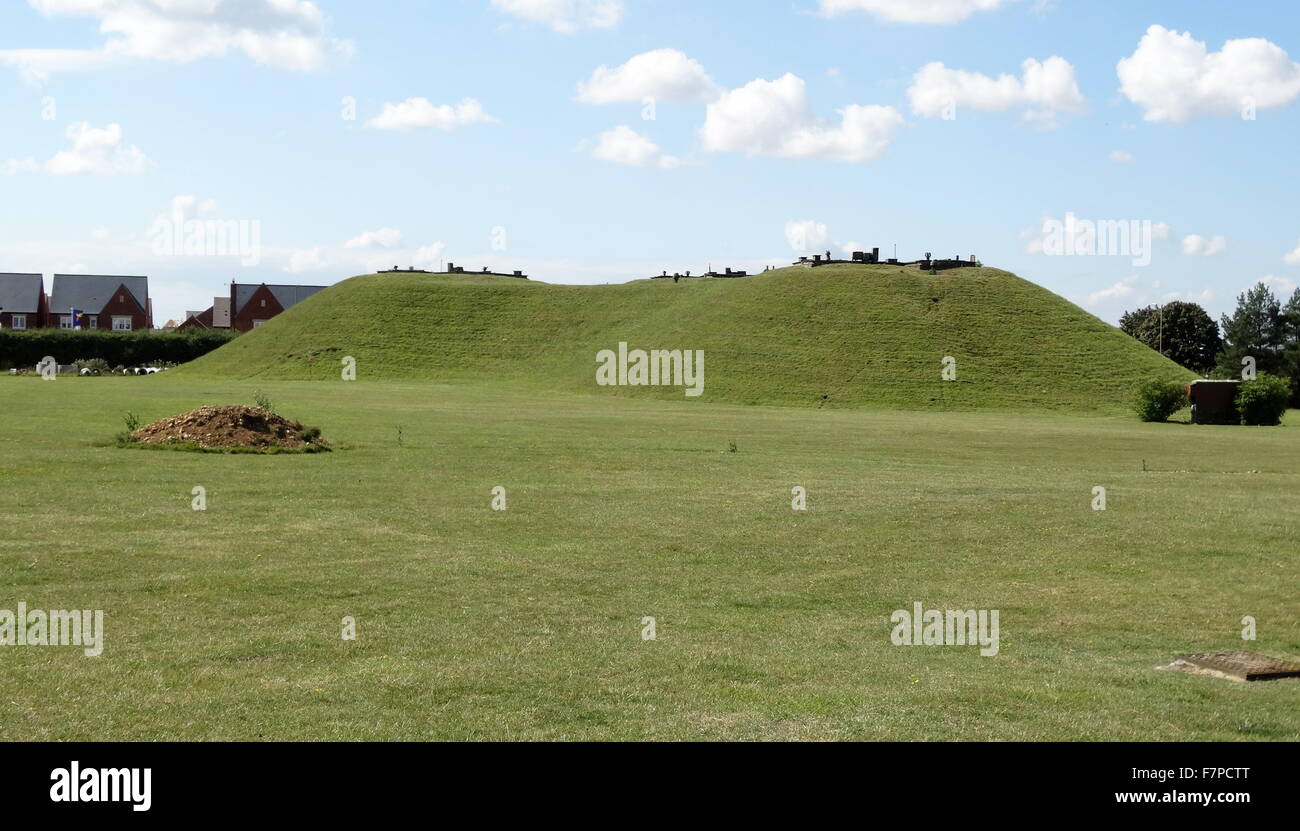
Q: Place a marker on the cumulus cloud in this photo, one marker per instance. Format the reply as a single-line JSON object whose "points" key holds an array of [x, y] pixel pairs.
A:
{"points": [[284, 34], [1121, 289], [415, 113], [1293, 257], [1175, 78], [623, 145], [775, 118], [1195, 245], [566, 16], [1121, 156], [1283, 286], [99, 152], [305, 260], [806, 234], [662, 73], [913, 11], [383, 238], [1043, 89], [428, 256], [11, 167]]}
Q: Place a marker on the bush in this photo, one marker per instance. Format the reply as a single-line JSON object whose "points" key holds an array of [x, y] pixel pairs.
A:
{"points": [[1157, 400], [97, 366], [25, 348], [1263, 400]]}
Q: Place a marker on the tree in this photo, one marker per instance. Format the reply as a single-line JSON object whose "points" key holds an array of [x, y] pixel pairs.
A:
{"points": [[1291, 345], [1255, 330], [1187, 335]]}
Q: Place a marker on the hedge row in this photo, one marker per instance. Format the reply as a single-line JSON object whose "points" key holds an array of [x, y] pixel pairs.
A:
{"points": [[26, 348]]}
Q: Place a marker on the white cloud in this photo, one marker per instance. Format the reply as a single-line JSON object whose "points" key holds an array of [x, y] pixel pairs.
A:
{"points": [[1175, 78], [418, 112], [1121, 156], [429, 256], [1293, 257], [623, 145], [1160, 230], [1043, 89], [662, 73], [1195, 245], [99, 235], [305, 260], [775, 118], [1121, 289], [285, 34], [806, 234], [97, 151], [913, 11], [10, 167], [383, 238], [566, 16], [1282, 286]]}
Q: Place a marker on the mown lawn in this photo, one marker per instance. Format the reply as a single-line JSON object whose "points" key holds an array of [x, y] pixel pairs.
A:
{"points": [[526, 623]]}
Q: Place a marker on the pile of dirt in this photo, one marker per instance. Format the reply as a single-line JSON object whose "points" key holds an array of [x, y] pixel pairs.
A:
{"points": [[236, 426]]}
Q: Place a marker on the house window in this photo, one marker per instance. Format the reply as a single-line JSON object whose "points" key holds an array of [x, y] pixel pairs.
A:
{"points": [[263, 302], [92, 321], [257, 323], [121, 324], [18, 321], [65, 321]]}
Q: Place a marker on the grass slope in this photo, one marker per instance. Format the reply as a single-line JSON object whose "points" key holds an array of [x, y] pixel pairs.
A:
{"points": [[854, 336], [525, 624]]}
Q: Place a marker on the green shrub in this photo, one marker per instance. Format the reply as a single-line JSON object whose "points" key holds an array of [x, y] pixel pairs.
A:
{"points": [[1157, 400], [97, 366], [1263, 400]]}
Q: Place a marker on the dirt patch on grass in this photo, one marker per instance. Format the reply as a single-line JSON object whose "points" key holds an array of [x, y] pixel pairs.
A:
{"points": [[235, 426]]}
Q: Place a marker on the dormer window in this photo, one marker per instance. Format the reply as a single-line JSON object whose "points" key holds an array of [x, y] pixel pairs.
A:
{"points": [[263, 302]]}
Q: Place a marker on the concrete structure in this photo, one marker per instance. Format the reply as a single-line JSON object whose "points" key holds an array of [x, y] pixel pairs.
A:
{"points": [[928, 263], [251, 306], [452, 268], [117, 303], [1214, 402], [23, 304]]}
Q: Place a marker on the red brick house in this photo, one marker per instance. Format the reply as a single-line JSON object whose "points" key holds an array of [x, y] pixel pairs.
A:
{"points": [[251, 306], [23, 304], [119, 304]]}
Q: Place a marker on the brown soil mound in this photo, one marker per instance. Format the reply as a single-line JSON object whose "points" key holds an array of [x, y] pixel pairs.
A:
{"points": [[227, 427]]}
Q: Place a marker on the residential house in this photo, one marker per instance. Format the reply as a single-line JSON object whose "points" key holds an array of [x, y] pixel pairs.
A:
{"points": [[216, 316], [251, 306], [23, 304], [120, 304]]}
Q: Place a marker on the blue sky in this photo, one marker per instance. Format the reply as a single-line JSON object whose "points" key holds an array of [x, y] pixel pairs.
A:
{"points": [[778, 127]]}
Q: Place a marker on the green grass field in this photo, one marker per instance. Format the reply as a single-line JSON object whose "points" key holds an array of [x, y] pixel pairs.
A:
{"points": [[526, 624]]}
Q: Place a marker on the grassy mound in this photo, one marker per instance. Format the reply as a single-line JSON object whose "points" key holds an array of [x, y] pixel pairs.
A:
{"points": [[839, 336]]}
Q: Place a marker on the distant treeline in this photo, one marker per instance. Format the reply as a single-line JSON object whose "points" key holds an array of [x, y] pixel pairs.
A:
{"points": [[26, 348], [1263, 332]]}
